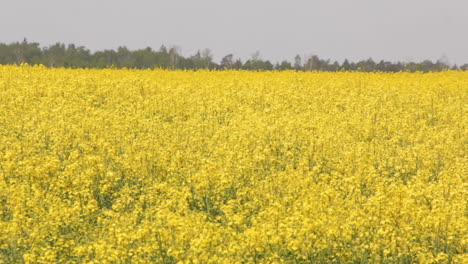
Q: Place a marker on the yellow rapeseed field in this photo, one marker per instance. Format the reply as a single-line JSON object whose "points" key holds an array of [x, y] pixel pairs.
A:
{"points": [[158, 166]]}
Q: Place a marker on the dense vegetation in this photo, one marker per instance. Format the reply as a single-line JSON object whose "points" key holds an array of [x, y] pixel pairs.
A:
{"points": [[71, 56], [163, 166]]}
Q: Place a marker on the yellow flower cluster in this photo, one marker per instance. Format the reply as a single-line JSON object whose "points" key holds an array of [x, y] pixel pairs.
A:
{"points": [[139, 166]]}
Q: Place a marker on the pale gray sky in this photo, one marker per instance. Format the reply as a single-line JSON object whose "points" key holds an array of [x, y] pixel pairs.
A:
{"points": [[355, 29]]}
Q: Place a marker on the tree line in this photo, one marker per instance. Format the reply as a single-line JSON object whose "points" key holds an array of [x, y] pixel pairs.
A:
{"points": [[72, 56]]}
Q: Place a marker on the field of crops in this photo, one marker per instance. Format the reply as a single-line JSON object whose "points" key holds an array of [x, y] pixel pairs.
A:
{"points": [[132, 166]]}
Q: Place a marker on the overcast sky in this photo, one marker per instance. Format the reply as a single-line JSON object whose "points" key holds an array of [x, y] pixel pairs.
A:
{"points": [[405, 30]]}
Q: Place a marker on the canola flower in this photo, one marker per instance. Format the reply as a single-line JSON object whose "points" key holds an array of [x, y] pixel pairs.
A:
{"points": [[158, 166]]}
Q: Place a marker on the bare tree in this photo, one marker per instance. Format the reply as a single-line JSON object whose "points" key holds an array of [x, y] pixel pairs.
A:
{"points": [[256, 56], [174, 56], [297, 62], [207, 57]]}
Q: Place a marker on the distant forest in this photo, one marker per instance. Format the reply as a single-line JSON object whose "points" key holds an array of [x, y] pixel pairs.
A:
{"points": [[72, 56]]}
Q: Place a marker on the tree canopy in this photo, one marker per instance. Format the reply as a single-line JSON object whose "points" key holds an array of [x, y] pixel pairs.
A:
{"points": [[72, 56]]}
